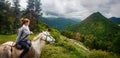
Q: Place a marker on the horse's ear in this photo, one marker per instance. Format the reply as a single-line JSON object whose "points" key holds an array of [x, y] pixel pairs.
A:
{"points": [[47, 32]]}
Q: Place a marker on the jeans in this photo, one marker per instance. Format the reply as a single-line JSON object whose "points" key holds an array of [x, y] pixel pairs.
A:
{"points": [[25, 47]]}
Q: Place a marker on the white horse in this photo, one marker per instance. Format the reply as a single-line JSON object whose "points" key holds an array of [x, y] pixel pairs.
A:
{"points": [[6, 51]]}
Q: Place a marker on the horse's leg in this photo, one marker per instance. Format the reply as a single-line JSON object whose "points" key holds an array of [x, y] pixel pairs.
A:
{"points": [[5, 51], [15, 52]]}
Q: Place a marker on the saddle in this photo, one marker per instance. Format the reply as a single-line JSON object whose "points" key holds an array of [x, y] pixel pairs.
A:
{"points": [[19, 47]]}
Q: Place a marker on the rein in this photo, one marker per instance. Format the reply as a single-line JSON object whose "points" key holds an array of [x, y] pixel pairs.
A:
{"points": [[41, 39]]}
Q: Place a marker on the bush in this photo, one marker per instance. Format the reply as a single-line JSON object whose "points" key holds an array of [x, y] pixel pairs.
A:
{"points": [[55, 34], [116, 44], [101, 54], [68, 34], [79, 37], [72, 35]]}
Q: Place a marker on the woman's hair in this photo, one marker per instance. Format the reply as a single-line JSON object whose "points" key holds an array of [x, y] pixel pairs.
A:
{"points": [[24, 20]]}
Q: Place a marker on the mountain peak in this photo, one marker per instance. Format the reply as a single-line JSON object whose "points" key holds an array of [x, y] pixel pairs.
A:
{"points": [[96, 16], [97, 13], [101, 29]]}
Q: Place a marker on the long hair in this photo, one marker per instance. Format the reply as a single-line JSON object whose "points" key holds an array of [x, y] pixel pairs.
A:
{"points": [[24, 20]]}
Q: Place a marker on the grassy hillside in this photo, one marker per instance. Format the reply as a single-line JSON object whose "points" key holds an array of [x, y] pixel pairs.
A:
{"points": [[63, 47], [99, 32]]}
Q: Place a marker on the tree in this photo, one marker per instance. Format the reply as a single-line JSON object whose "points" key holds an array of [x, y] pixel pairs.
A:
{"points": [[5, 15], [16, 13], [38, 9], [116, 44], [34, 13]]}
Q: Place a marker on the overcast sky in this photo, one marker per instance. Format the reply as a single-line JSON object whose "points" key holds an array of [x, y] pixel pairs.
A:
{"points": [[79, 8]]}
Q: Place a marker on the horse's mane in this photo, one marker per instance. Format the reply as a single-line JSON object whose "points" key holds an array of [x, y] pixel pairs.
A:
{"points": [[37, 37]]}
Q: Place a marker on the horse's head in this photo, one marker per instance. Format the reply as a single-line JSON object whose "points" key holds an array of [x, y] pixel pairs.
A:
{"points": [[48, 37], [45, 35]]}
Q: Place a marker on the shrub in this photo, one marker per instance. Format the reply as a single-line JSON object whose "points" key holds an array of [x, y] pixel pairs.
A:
{"points": [[79, 37], [101, 54], [68, 34]]}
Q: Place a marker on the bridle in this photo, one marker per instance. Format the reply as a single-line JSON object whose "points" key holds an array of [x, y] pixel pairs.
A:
{"points": [[45, 38]]}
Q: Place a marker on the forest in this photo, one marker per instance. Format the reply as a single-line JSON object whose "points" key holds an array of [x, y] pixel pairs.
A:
{"points": [[11, 14]]}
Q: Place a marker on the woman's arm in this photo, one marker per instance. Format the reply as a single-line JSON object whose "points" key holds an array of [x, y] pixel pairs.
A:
{"points": [[19, 35], [27, 30]]}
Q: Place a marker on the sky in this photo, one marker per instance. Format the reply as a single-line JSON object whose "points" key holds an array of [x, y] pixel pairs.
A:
{"points": [[78, 8]]}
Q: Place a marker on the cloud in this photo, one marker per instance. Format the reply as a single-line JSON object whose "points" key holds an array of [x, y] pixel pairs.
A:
{"points": [[77, 8], [109, 8], [80, 8], [115, 10], [23, 4], [64, 8]]}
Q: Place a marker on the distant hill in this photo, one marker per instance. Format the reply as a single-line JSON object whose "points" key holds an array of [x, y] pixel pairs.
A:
{"points": [[60, 23], [98, 31], [115, 20]]}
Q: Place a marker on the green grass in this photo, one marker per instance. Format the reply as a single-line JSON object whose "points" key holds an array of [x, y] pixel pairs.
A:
{"points": [[102, 54], [63, 48], [118, 24], [5, 38]]}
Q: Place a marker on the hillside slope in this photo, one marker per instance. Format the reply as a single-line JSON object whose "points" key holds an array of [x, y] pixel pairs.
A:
{"points": [[99, 30], [63, 47]]}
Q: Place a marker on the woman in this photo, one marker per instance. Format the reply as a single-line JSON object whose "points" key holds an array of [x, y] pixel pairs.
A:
{"points": [[22, 37]]}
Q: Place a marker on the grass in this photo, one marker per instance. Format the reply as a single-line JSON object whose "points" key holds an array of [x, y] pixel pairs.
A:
{"points": [[5, 38], [63, 48], [118, 24]]}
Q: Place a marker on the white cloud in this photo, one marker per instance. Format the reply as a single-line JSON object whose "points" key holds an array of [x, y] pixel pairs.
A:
{"points": [[64, 8], [80, 8], [77, 8], [115, 10], [23, 4], [107, 7]]}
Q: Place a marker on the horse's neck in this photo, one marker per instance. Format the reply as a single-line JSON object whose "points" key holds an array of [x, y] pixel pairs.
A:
{"points": [[38, 45]]}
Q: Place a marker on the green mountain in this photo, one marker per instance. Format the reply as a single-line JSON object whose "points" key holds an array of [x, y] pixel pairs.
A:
{"points": [[99, 32], [59, 23]]}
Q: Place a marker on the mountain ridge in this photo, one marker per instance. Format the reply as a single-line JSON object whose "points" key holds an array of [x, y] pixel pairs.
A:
{"points": [[59, 23], [97, 29], [115, 20]]}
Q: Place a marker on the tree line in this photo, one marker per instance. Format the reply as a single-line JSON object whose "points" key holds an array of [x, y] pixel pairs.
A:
{"points": [[11, 13]]}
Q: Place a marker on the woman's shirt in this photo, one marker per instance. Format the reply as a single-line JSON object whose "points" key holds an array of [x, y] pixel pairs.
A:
{"points": [[23, 33]]}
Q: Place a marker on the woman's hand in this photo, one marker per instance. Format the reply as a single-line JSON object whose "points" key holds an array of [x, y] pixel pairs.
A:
{"points": [[14, 44], [31, 32]]}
